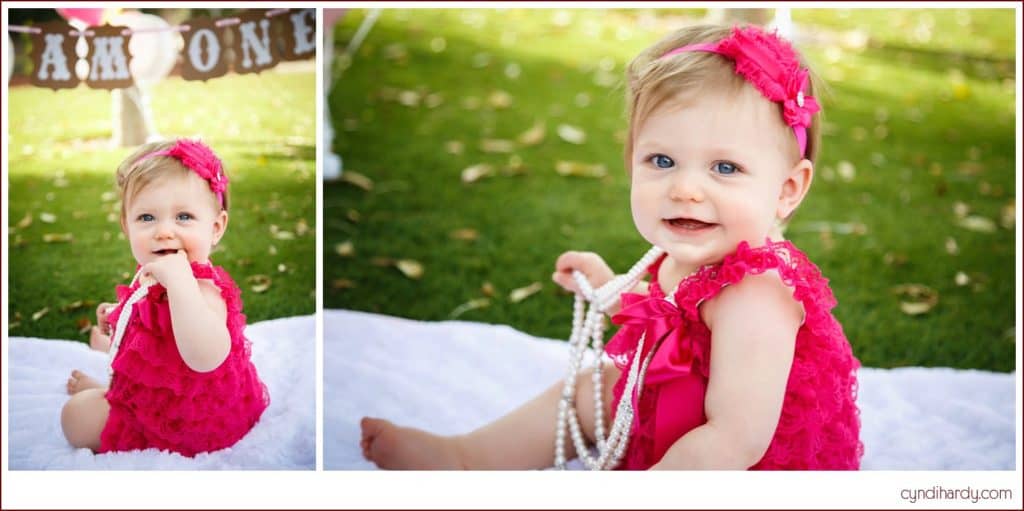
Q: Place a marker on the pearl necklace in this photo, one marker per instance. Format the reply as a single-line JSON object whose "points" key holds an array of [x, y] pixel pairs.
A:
{"points": [[126, 314], [590, 331]]}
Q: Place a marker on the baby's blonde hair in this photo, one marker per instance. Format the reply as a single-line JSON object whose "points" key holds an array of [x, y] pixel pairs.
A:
{"points": [[652, 81], [138, 171]]}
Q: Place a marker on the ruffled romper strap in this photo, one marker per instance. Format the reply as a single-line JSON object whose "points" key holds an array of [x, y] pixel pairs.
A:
{"points": [[792, 266]]}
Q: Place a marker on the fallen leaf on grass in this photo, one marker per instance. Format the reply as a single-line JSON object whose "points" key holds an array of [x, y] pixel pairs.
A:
{"points": [[497, 145], [284, 235], [921, 298], [26, 221], [342, 284], [534, 135], [77, 304], [409, 98], [951, 247], [453, 147], [488, 289], [281, 268], [83, 325], [571, 134], [499, 99], [476, 172], [411, 268], [475, 303], [961, 279], [58, 238], [259, 283], [344, 249], [977, 224], [47, 218], [464, 234], [1008, 218], [579, 169], [960, 209], [846, 171], [520, 294], [357, 179], [301, 227], [382, 261], [40, 313]]}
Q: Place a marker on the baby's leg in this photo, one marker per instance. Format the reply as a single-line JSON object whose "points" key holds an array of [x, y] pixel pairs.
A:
{"points": [[83, 418], [522, 439]]}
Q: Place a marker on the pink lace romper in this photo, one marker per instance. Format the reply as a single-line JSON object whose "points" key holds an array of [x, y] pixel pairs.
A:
{"points": [[819, 427], [158, 401]]}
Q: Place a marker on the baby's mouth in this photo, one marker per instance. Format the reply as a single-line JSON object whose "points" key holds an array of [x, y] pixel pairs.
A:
{"points": [[166, 251], [689, 224]]}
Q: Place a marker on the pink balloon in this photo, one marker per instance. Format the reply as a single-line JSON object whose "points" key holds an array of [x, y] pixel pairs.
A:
{"points": [[333, 15], [92, 17]]}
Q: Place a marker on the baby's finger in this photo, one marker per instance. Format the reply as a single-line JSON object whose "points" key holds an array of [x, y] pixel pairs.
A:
{"points": [[565, 280], [569, 261]]}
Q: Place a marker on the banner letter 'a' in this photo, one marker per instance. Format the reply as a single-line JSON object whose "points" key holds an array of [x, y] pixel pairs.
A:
{"points": [[205, 52], [108, 58], [53, 57], [299, 36], [252, 44]]}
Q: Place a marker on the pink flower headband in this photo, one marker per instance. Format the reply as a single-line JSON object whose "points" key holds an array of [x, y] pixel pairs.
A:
{"points": [[198, 157], [771, 65]]}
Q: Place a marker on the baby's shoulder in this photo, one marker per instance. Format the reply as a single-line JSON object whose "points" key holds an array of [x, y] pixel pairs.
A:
{"points": [[757, 295]]}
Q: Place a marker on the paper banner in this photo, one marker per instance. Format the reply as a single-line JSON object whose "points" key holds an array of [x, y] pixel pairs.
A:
{"points": [[53, 53], [299, 34], [251, 43], [108, 58], [205, 52]]}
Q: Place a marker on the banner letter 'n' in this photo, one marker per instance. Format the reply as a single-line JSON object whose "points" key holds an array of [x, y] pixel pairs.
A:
{"points": [[253, 47]]}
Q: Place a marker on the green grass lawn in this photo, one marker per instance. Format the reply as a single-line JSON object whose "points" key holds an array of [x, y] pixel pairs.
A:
{"points": [[918, 137], [61, 168]]}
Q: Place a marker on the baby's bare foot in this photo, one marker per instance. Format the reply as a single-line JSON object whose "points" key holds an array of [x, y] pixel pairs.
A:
{"points": [[80, 381], [394, 447], [98, 340]]}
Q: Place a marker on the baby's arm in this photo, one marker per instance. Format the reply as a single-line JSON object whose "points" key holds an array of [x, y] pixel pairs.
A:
{"points": [[754, 325], [198, 313]]}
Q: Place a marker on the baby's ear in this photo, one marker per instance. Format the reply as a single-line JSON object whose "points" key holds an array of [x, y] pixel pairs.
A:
{"points": [[795, 188], [220, 224]]}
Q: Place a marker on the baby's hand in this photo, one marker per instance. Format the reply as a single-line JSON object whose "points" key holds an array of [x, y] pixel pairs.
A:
{"points": [[102, 313], [598, 272], [169, 269]]}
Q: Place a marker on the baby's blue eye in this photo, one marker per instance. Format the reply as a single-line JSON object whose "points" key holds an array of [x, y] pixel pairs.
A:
{"points": [[662, 162], [184, 216], [146, 217], [726, 168]]}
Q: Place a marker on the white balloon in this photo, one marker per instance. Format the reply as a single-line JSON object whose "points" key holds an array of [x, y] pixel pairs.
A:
{"points": [[10, 57], [153, 53]]}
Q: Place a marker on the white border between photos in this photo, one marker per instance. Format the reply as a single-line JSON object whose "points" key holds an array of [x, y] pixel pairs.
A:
{"points": [[528, 490]]}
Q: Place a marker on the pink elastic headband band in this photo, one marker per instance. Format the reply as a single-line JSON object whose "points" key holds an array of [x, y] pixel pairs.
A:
{"points": [[199, 158], [771, 65]]}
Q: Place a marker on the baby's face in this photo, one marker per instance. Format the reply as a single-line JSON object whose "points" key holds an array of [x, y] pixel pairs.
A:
{"points": [[709, 173], [174, 212]]}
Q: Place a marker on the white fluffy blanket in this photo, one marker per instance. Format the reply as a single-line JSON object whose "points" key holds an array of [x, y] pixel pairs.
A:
{"points": [[453, 376], [284, 438]]}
